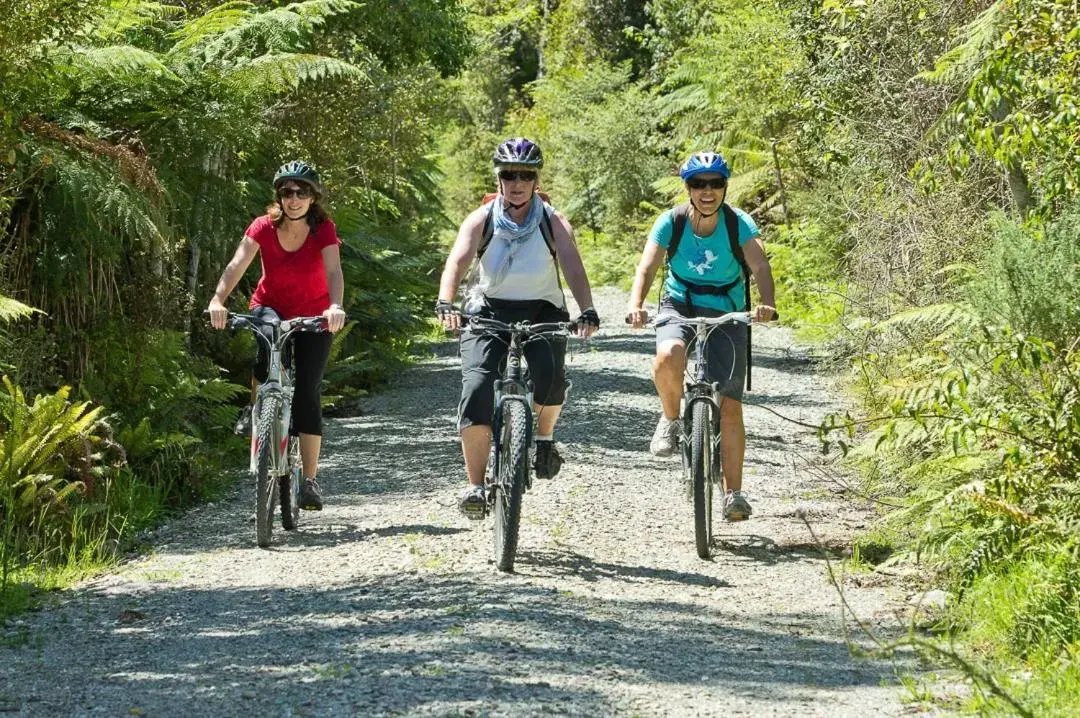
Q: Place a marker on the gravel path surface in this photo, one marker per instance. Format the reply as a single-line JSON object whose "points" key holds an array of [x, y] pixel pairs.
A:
{"points": [[387, 602]]}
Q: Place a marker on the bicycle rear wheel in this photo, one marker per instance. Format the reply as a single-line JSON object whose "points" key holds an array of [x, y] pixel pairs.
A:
{"points": [[265, 483], [510, 485], [701, 449], [289, 488]]}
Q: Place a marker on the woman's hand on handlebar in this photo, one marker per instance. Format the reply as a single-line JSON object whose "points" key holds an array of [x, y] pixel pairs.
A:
{"points": [[449, 315], [219, 315], [637, 317], [587, 323], [764, 313], [335, 318]]}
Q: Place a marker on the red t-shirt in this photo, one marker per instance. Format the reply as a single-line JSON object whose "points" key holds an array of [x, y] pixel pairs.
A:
{"points": [[293, 284]]}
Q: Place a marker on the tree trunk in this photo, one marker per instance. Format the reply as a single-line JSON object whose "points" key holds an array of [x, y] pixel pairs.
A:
{"points": [[545, 13]]}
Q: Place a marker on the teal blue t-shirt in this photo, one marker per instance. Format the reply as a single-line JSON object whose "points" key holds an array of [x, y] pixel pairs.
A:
{"points": [[705, 260]]}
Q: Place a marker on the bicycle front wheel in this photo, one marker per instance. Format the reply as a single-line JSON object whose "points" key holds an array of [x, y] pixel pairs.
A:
{"points": [[701, 448], [265, 482], [289, 488], [510, 485]]}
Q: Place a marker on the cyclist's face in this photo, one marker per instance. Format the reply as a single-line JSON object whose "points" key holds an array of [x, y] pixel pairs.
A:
{"points": [[517, 185], [295, 198], [706, 195]]}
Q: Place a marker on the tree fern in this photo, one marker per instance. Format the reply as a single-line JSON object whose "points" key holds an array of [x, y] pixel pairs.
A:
{"points": [[277, 73], [10, 310], [962, 62], [88, 65], [117, 18], [235, 29]]}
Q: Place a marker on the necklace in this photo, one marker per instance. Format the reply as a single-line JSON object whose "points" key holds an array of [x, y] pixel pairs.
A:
{"points": [[695, 224]]}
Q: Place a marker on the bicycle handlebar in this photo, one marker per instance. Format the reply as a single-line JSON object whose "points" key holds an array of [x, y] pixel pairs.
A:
{"points": [[237, 320], [729, 318], [485, 323]]}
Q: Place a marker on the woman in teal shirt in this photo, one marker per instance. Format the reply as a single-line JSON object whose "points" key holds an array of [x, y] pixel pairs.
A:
{"points": [[704, 278]]}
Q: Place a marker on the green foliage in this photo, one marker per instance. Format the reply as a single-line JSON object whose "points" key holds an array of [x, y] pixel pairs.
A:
{"points": [[598, 179], [726, 90], [1018, 66], [49, 451], [1031, 279], [985, 434], [806, 265]]}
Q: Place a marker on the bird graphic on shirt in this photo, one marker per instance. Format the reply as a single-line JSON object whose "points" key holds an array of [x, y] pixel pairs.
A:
{"points": [[704, 263]]}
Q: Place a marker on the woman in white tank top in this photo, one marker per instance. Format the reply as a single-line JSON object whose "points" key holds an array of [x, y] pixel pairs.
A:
{"points": [[518, 281]]}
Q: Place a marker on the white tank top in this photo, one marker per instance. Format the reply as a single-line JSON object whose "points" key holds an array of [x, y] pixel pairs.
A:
{"points": [[531, 276]]}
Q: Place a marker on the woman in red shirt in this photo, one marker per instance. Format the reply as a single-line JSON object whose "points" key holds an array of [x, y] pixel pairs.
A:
{"points": [[301, 277]]}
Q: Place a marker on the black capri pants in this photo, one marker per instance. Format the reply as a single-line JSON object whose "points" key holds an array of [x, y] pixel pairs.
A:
{"points": [[308, 352], [483, 356]]}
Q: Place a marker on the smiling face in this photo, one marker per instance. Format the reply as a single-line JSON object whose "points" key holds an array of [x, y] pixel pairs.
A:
{"points": [[295, 198], [707, 191]]}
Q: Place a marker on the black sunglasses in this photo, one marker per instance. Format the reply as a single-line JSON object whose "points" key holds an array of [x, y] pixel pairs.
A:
{"points": [[716, 183], [298, 192], [524, 176]]}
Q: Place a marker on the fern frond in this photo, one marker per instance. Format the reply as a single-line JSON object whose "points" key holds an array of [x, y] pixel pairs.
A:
{"points": [[93, 64], [215, 22], [11, 310], [234, 28], [960, 64], [285, 72], [119, 17], [936, 317]]}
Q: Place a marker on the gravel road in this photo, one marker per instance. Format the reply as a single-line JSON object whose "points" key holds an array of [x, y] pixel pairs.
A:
{"points": [[388, 603]]}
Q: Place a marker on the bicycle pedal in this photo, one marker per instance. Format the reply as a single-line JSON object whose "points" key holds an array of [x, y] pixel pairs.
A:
{"points": [[475, 513]]}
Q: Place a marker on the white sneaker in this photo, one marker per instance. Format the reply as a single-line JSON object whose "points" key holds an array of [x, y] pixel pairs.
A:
{"points": [[665, 439]]}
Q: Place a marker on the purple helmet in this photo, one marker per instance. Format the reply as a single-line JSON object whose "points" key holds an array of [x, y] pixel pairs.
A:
{"points": [[519, 151], [702, 162]]}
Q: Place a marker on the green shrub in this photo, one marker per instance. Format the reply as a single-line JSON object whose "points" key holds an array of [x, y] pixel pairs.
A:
{"points": [[1031, 279], [810, 285]]}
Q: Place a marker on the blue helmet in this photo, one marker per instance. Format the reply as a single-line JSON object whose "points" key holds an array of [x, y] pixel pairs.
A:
{"points": [[519, 151], [702, 162]]}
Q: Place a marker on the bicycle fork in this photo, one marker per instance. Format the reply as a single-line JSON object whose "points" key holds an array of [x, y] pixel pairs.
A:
{"points": [[279, 433]]}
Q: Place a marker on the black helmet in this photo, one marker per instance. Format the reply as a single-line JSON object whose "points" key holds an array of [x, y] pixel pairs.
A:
{"points": [[519, 151], [298, 171]]}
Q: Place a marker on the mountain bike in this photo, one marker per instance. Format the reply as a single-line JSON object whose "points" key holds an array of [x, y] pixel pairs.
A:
{"points": [[508, 473], [275, 454], [699, 415]]}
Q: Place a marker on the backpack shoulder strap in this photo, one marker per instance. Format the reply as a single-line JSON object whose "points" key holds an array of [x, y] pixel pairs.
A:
{"points": [[548, 232], [488, 230], [679, 215], [731, 223]]}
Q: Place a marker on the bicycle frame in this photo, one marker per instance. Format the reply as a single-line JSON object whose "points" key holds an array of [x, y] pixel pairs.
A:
{"points": [[701, 389], [279, 382], [514, 385]]}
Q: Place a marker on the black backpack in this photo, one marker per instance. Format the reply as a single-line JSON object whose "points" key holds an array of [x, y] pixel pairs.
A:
{"points": [[679, 217]]}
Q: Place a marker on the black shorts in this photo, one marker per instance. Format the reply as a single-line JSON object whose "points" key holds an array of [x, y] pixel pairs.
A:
{"points": [[483, 356], [725, 351]]}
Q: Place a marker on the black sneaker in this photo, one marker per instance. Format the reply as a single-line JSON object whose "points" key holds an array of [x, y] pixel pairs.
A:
{"points": [[548, 462], [473, 503], [310, 498], [243, 424]]}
